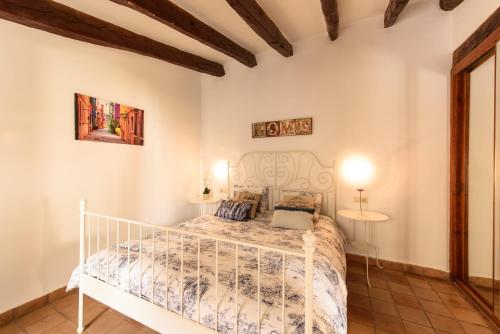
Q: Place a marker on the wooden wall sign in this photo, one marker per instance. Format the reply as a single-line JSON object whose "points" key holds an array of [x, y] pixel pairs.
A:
{"points": [[288, 127]]}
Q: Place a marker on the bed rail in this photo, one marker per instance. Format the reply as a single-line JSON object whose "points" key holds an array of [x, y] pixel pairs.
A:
{"points": [[93, 220]]}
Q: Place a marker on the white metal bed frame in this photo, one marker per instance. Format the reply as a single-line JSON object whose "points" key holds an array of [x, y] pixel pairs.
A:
{"points": [[291, 170]]}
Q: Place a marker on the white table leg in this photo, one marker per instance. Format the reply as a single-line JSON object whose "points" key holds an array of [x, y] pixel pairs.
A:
{"points": [[367, 239], [367, 269], [376, 256]]}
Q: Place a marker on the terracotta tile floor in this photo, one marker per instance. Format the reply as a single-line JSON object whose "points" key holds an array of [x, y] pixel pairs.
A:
{"points": [[407, 303], [396, 303], [61, 316]]}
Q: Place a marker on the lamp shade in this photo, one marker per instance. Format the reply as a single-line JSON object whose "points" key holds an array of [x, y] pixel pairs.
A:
{"points": [[220, 170], [357, 171]]}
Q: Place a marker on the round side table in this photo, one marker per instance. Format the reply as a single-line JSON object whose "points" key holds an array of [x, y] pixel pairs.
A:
{"points": [[207, 206], [366, 245]]}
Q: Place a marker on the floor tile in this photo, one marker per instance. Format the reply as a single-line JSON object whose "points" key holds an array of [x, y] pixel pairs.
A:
{"points": [[475, 329], [444, 323], [381, 294], [470, 316], [388, 323], [106, 322], [66, 327], [384, 308], [355, 328], [400, 288], [406, 300], [353, 299], [45, 324], [426, 294], [31, 318], [399, 278], [361, 289], [444, 287], [436, 308], [126, 328], [413, 315], [379, 283], [65, 302], [419, 283], [456, 301], [412, 328], [361, 316], [10, 329]]}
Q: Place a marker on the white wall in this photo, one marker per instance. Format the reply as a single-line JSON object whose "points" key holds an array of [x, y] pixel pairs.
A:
{"points": [[44, 171], [379, 92], [467, 17]]}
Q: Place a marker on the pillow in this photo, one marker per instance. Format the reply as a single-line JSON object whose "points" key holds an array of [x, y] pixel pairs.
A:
{"points": [[249, 197], [280, 206], [264, 201], [233, 210], [263, 205], [305, 197], [297, 220]]}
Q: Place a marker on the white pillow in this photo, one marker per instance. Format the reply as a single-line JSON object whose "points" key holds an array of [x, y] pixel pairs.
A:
{"points": [[318, 198], [297, 220]]}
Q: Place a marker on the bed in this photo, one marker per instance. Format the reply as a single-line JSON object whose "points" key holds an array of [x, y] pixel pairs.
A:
{"points": [[270, 280]]}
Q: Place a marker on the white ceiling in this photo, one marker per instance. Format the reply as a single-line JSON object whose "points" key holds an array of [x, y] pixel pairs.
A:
{"points": [[297, 20]]}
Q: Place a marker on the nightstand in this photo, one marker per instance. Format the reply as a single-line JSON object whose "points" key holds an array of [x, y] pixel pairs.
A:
{"points": [[366, 245], [207, 206]]}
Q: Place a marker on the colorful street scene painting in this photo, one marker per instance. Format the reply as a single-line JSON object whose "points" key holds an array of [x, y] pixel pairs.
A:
{"points": [[105, 121]]}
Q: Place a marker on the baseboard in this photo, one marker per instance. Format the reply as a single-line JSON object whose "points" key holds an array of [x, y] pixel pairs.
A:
{"points": [[404, 267], [32, 305]]}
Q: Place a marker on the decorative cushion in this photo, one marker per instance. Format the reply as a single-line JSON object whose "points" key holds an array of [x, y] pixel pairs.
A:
{"points": [[297, 220], [287, 207], [304, 199], [249, 197], [263, 205], [234, 210], [264, 201]]}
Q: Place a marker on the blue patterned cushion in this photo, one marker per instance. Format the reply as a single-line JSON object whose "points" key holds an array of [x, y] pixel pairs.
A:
{"points": [[234, 210]]}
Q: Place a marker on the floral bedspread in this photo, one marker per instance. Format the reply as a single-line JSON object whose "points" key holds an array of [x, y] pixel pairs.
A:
{"points": [[330, 293]]}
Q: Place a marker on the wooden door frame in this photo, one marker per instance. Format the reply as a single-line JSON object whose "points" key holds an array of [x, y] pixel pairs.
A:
{"points": [[478, 47]]}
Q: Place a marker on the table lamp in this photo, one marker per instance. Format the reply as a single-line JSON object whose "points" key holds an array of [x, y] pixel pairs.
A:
{"points": [[221, 173], [358, 171]]}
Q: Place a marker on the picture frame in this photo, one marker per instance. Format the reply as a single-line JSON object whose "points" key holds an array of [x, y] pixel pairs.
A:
{"points": [[283, 128]]}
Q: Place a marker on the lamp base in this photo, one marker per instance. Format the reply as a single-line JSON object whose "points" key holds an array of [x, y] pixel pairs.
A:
{"points": [[360, 199]]}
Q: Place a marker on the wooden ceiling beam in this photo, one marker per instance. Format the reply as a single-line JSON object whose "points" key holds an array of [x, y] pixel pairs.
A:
{"points": [[449, 4], [393, 10], [65, 21], [251, 12], [179, 19], [331, 13], [490, 29]]}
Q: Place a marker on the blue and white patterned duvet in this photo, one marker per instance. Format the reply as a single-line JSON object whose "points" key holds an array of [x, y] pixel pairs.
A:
{"points": [[330, 311]]}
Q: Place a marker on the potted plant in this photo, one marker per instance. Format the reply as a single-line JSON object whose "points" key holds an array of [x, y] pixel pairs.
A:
{"points": [[206, 193]]}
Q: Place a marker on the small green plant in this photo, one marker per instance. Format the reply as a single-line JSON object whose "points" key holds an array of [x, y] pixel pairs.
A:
{"points": [[206, 191], [113, 125]]}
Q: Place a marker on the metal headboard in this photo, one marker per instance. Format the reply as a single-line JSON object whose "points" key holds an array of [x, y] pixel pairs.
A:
{"points": [[286, 170]]}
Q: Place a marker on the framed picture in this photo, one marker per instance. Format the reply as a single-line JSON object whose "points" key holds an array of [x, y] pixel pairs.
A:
{"points": [[101, 120], [288, 127]]}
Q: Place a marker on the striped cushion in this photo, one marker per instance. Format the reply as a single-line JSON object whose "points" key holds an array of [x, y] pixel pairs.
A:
{"points": [[234, 210]]}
